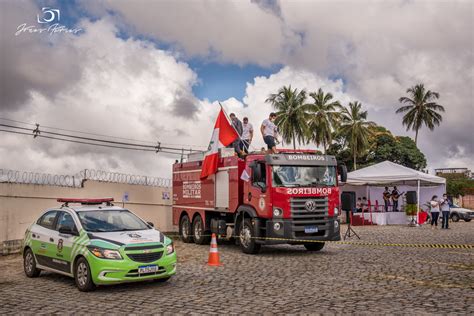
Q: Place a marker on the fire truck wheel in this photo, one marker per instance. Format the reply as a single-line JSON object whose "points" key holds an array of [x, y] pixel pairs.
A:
{"points": [[201, 236], [247, 240], [185, 229], [314, 246]]}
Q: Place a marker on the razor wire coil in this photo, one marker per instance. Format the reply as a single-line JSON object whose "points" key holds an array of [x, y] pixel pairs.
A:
{"points": [[25, 177]]}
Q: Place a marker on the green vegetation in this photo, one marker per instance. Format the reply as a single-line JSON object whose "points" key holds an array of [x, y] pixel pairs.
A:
{"points": [[324, 118], [346, 132], [292, 116], [457, 185], [421, 109]]}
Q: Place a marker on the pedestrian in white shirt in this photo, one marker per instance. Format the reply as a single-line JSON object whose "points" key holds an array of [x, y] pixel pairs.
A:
{"points": [[269, 133], [434, 203], [444, 206], [247, 135]]}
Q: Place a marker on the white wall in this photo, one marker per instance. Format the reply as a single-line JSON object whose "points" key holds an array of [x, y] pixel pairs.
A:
{"points": [[21, 204]]}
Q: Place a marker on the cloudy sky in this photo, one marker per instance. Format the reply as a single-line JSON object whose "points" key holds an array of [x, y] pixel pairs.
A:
{"points": [[155, 70]]}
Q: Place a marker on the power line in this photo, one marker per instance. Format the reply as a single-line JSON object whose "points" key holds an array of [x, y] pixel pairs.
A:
{"points": [[87, 143], [102, 135], [37, 132]]}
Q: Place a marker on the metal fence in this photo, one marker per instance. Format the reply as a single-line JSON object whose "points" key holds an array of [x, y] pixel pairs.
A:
{"points": [[77, 180]]}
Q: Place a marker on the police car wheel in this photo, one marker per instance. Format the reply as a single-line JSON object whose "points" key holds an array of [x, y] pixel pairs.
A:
{"points": [[29, 264], [455, 217], [247, 240], [314, 246], [82, 275], [200, 235], [185, 229]]}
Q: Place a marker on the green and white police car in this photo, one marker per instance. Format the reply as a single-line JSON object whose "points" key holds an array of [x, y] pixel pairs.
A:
{"points": [[97, 244]]}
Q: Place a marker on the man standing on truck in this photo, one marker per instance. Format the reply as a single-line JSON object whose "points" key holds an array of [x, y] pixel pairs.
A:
{"points": [[269, 133], [237, 124], [247, 135]]}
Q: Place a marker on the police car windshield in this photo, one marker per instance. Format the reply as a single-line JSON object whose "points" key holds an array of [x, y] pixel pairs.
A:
{"points": [[110, 221], [304, 176]]}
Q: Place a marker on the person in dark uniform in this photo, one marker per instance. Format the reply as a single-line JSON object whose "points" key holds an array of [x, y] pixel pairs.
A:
{"points": [[386, 198], [237, 124]]}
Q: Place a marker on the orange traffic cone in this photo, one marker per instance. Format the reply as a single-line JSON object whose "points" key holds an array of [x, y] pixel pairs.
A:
{"points": [[213, 253]]}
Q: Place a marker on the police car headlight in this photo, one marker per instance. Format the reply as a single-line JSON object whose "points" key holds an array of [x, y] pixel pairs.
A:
{"points": [[169, 249], [277, 212], [336, 211], [104, 253]]}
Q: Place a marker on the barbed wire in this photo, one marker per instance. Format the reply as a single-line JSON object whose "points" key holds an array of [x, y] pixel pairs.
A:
{"points": [[77, 180]]}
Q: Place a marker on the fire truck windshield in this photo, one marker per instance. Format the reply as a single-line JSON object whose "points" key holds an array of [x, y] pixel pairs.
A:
{"points": [[303, 176]]}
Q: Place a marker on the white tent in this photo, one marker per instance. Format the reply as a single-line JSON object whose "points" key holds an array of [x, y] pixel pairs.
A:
{"points": [[388, 173]]}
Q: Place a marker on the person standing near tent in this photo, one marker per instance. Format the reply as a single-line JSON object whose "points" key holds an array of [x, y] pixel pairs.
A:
{"points": [[269, 133], [444, 205], [386, 198], [434, 203], [395, 196]]}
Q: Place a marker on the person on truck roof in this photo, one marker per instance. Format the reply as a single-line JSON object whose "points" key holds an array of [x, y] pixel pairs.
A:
{"points": [[247, 135], [269, 133], [237, 144]]}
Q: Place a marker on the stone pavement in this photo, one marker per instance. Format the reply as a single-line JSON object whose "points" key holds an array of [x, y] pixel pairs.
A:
{"points": [[282, 279]]}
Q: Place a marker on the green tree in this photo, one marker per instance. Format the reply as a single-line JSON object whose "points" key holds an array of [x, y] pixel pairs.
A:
{"points": [[324, 116], [291, 117], [421, 109], [355, 129], [408, 154]]}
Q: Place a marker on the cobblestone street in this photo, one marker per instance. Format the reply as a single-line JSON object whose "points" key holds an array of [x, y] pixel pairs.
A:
{"points": [[282, 279]]}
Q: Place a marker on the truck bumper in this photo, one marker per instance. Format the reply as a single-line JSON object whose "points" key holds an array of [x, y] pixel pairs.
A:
{"points": [[289, 233]]}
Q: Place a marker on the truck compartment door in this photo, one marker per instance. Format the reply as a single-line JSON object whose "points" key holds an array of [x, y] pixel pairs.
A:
{"points": [[222, 189]]}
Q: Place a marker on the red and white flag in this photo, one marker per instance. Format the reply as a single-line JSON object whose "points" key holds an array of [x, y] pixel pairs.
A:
{"points": [[224, 134]]}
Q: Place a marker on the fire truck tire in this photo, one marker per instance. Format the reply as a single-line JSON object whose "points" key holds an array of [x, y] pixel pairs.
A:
{"points": [[200, 235], [247, 240], [185, 229], [314, 246]]}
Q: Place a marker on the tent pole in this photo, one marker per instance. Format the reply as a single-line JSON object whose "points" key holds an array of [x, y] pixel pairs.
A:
{"points": [[418, 204]]}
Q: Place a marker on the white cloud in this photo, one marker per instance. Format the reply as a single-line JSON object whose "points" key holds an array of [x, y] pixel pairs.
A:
{"points": [[100, 82], [230, 31], [128, 88]]}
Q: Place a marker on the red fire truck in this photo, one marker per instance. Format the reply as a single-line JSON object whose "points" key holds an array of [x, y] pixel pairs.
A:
{"points": [[262, 199]]}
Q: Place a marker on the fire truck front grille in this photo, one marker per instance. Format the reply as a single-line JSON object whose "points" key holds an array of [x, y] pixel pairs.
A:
{"points": [[311, 211]]}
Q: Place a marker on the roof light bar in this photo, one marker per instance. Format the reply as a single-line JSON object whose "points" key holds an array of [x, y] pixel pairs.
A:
{"points": [[85, 201]]}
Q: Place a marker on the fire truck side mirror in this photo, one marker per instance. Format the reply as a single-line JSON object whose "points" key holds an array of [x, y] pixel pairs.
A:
{"points": [[343, 173]]}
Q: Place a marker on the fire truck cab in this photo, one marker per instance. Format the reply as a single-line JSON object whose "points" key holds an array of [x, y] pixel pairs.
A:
{"points": [[291, 197]]}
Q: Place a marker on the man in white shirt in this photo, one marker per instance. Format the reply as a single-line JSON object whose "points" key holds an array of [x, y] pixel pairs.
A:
{"points": [[269, 133], [247, 135]]}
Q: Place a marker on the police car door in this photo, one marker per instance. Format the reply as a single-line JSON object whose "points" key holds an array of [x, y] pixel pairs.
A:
{"points": [[42, 237], [64, 235]]}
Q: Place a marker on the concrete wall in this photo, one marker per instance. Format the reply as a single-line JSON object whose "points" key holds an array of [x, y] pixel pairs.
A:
{"points": [[21, 204]]}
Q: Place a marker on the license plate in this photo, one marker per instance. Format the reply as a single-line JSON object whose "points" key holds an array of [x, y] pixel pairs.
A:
{"points": [[310, 229], [147, 269]]}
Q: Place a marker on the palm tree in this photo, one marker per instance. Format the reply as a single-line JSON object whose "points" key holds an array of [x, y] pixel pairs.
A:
{"points": [[291, 115], [355, 129], [324, 116], [421, 109]]}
